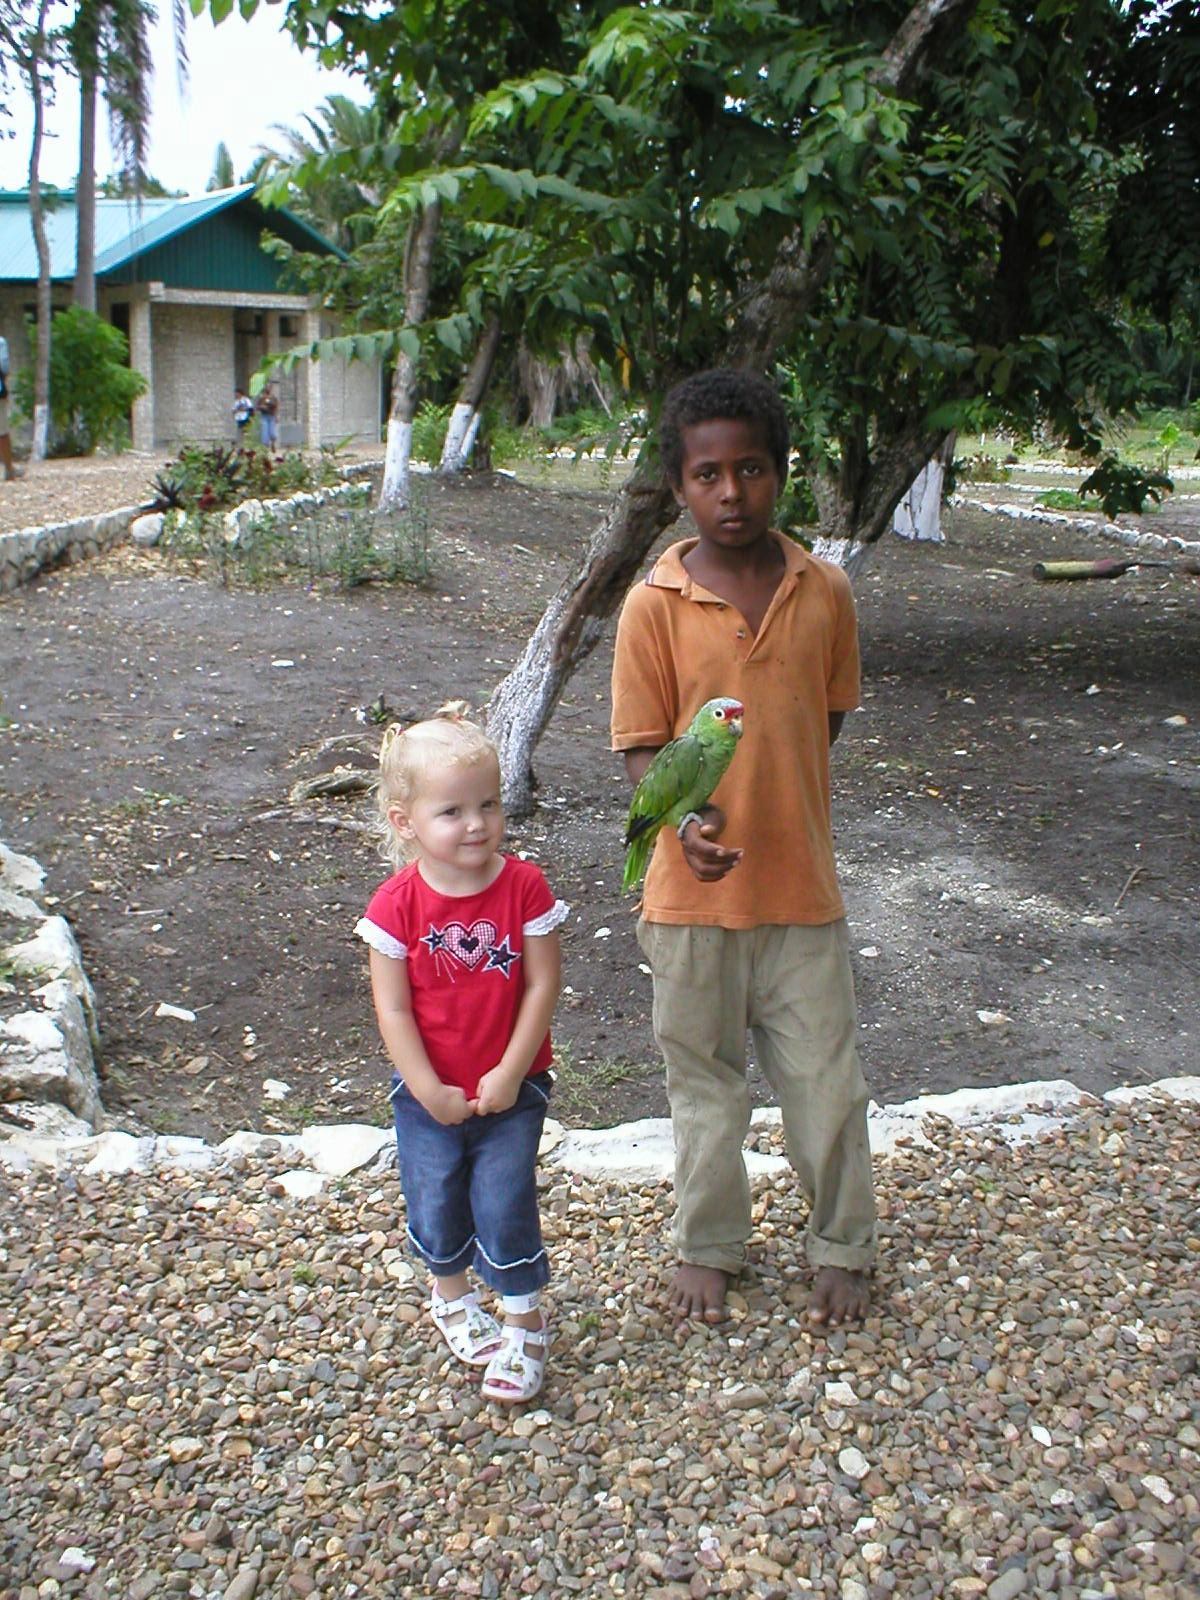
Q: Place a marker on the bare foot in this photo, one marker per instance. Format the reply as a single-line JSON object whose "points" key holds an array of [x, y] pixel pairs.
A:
{"points": [[699, 1292], [838, 1296]]}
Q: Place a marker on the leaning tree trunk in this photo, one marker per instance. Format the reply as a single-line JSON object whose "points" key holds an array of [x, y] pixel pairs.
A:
{"points": [[569, 629], [522, 703], [464, 419], [41, 364], [84, 293], [394, 493]]}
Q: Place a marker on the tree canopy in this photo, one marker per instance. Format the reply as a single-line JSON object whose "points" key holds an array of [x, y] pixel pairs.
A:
{"points": [[918, 216]]}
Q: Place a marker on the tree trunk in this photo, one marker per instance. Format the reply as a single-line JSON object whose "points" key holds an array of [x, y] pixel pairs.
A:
{"points": [[522, 703], [859, 504], [572, 623], [541, 380], [919, 514], [41, 365], [464, 419], [393, 495], [84, 293]]}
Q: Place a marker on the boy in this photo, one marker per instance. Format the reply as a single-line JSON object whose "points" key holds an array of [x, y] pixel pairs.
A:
{"points": [[243, 410], [749, 934]]}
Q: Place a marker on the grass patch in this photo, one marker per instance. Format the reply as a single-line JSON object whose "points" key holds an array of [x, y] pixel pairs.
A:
{"points": [[582, 1090], [344, 542]]}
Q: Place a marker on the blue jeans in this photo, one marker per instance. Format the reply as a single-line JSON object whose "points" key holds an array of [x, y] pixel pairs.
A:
{"points": [[471, 1189]]}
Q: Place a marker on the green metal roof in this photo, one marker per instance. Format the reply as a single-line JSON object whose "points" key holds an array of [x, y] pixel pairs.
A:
{"points": [[139, 241]]}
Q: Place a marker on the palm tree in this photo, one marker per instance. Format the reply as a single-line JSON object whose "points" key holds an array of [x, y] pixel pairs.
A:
{"points": [[223, 175], [335, 205], [109, 42]]}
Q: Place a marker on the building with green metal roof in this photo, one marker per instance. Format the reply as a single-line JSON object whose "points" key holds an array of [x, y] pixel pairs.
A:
{"points": [[202, 303]]}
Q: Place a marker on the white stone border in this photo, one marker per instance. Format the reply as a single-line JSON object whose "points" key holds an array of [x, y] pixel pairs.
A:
{"points": [[24, 552], [1131, 538], [47, 1066], [636, 1153]]}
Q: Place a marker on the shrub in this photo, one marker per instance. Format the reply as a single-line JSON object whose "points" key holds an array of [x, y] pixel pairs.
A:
{"points": [[91, 383], [219, 476], [345, 540]]}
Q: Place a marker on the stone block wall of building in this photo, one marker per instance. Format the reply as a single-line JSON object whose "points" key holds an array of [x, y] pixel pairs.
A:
{"points": [[350, 400], [193, 373]]}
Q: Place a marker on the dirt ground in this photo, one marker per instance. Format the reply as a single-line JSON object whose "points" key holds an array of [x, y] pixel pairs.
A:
{"points": [[1015, 808]]}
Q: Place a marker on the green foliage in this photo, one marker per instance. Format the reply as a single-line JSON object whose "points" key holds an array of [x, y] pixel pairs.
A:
{"points": [[980, 468], [1060, 500], [344, 542], [1121, 486], [644, 172], [216, 477], [429, 432], [91, 384]]}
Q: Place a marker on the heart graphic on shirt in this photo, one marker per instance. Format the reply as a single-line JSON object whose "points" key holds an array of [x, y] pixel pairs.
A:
{"points": [[469, 945]]}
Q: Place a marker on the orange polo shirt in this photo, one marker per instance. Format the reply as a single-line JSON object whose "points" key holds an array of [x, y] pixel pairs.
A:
{"points": [[679, 645]]}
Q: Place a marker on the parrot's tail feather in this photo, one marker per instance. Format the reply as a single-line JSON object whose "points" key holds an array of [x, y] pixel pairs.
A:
{"points": [[635, 862], [639, 826]]}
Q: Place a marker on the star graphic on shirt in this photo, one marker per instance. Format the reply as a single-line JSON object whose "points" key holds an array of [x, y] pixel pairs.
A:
{"points": [[500, 956], [434, 940]]}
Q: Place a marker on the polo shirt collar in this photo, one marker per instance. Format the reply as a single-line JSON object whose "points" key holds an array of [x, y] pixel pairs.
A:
{"points": [[669, 572]]}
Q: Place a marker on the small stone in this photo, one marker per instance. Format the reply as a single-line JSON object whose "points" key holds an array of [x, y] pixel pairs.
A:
{"points": [[853, 1463], [1008, 1585], [243, 1585]]}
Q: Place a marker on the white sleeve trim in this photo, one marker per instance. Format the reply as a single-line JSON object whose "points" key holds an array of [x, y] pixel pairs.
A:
{"points": [[379, 939], [548, 921]]}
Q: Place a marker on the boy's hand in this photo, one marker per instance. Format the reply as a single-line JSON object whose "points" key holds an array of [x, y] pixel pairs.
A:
{"points": [[447, 1104], [498, 1091], [708, 860]]}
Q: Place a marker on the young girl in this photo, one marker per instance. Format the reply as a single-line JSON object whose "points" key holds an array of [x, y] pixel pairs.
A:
{"points": [[465, 975]]}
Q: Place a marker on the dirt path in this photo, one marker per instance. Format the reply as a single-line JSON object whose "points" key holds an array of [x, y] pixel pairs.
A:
{"points": [[1016, 811]]}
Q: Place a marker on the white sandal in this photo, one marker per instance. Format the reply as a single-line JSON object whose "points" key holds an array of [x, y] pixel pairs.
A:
{"points": [[516, 1372], [472, 1333]]}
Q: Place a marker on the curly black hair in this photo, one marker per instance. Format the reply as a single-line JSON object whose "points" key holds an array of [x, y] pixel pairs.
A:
{"points": [[712, 396]]}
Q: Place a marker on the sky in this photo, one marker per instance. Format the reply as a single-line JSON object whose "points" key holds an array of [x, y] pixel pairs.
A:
{"points": [[243, 77]]}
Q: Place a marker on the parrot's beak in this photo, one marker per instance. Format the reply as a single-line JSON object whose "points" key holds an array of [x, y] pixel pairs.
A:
{"points": [[735, 720]]}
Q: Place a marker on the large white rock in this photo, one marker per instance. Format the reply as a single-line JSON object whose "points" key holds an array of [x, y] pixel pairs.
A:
{"points": [[53, 953], [43, 1120], [19, 872], [147, 530], [338, 1149], [46, 1055]]}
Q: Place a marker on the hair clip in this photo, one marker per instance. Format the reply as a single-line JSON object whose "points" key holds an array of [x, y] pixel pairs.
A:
{"points": [[391, 733]]}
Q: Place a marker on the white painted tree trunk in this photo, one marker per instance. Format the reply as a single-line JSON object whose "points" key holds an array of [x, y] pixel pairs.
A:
{"points": [[418, 271], [34, 66], [397, 462], [463, 423], [468, 410], [919, 514]]}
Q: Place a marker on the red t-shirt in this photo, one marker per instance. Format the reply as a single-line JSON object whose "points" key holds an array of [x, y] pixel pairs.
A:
{"points": [[465, 961]]}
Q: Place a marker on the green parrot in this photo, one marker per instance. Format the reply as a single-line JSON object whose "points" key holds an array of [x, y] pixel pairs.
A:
{"points": [[680, 779]]}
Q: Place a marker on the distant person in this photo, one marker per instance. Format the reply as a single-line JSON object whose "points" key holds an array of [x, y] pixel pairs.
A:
{"points": [[243, 410], [749, 934], [465, 970], [268, 416], [6, 455]]}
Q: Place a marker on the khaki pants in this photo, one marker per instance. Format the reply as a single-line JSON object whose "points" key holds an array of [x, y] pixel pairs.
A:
{"points": [[792, 987]]}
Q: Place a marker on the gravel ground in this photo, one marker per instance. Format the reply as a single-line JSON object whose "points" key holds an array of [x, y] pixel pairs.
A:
{"points": [[207, 1389]]}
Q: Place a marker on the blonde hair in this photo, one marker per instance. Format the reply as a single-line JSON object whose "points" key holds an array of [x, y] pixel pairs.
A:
{"points": [[407, 755]]}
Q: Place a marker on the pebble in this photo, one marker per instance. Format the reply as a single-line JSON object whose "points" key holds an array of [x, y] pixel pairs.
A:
{"points": [[210, 1389]]}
